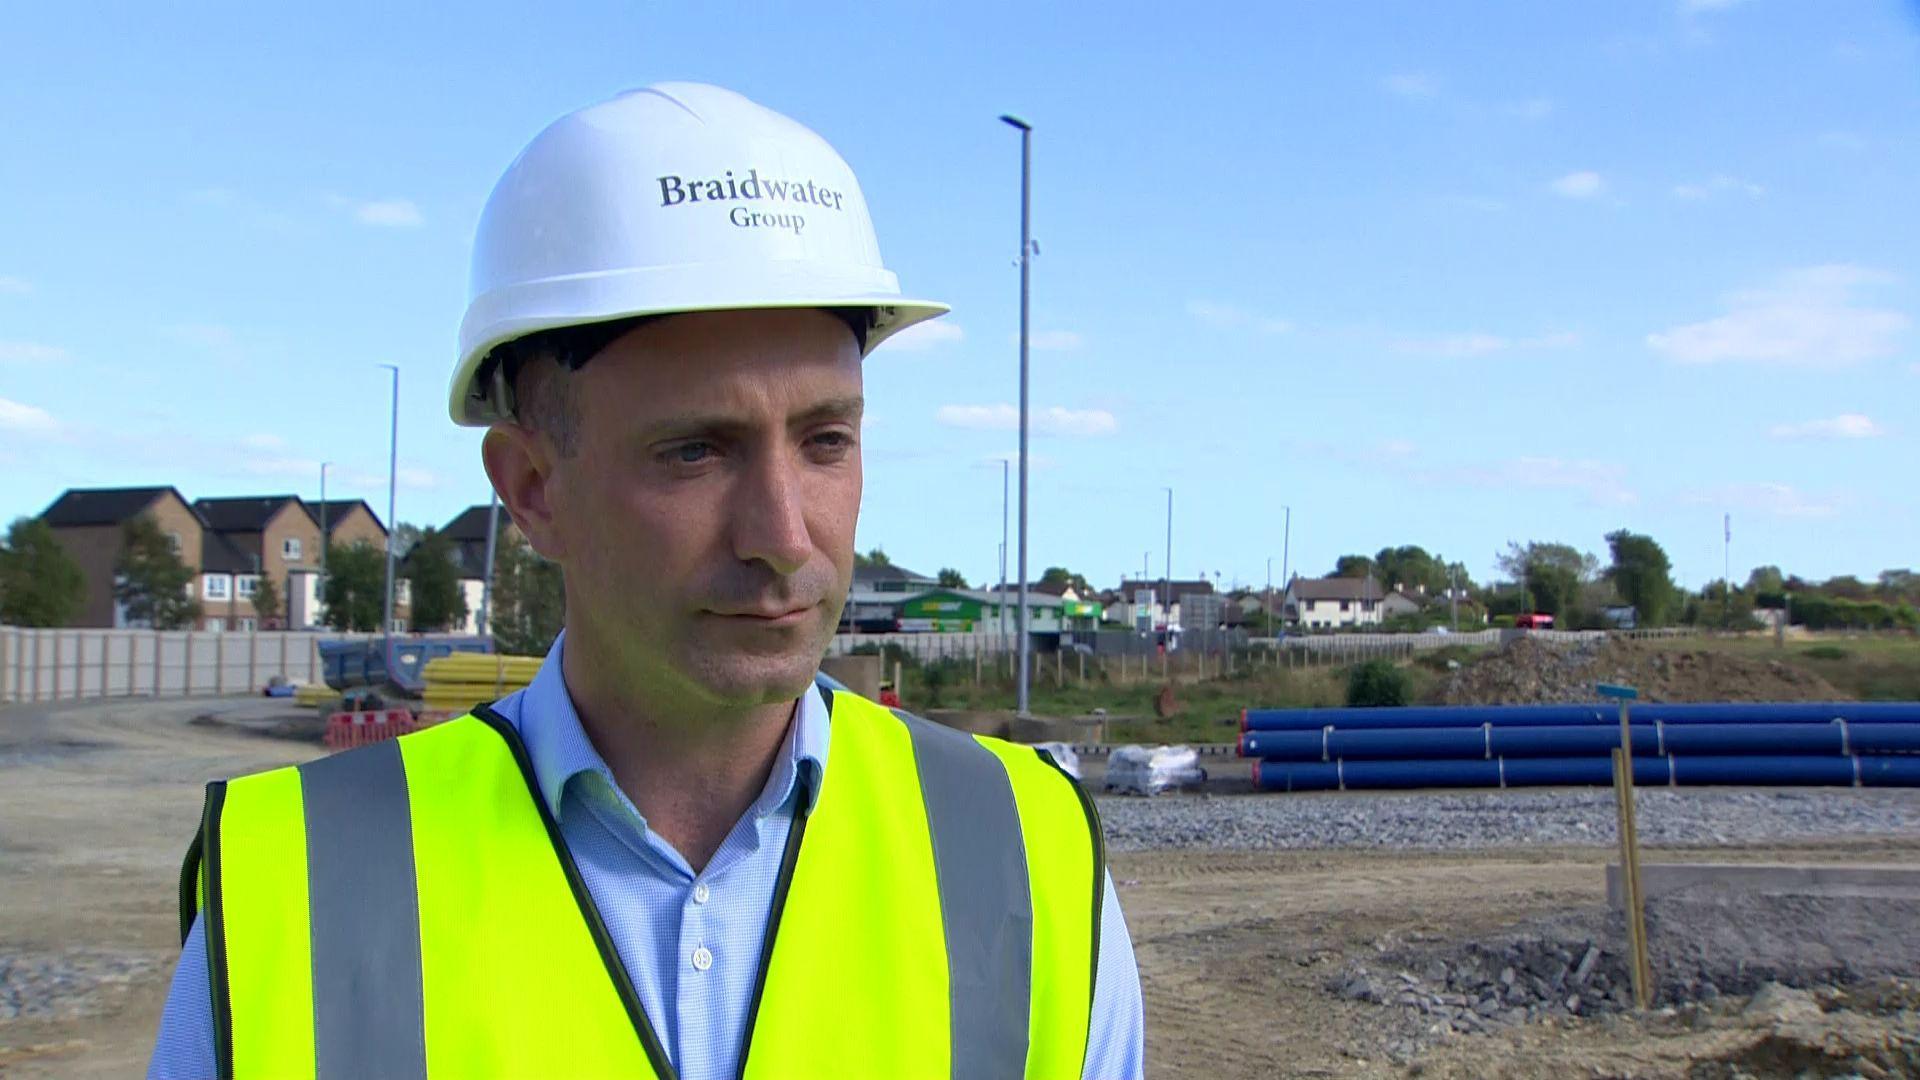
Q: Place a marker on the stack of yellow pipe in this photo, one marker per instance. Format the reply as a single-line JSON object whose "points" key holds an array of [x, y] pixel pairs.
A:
{"points": [[458, 682], [315, 694]]}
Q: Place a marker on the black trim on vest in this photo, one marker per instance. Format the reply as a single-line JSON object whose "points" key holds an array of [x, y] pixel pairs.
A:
{"points": [[596, 926], [190, 882], [216, 933], [1099, 865], [788, 860]]}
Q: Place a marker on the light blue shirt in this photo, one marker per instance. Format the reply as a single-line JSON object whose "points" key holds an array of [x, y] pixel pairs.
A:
{"points": [[690, 942]]}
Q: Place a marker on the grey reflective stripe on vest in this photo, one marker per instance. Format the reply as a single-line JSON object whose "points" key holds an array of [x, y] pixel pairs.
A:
{"points": [[985, 907], [368, 1018]]}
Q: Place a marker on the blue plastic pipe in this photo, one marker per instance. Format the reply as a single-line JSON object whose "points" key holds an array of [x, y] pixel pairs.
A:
{"points": [[1444, 716], [1749, 770], [1592, 740]]}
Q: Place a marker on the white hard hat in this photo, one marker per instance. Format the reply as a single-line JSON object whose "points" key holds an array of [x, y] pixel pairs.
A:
{"points": [[679, 197]]}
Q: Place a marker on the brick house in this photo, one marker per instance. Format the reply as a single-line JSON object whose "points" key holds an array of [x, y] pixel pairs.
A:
{"points": [[468, 531], [250, 537], [88, 523], [349, 522]]}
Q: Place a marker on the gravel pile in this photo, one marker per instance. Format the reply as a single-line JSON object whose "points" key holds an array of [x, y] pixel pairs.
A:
{"points": [[1530, 671], [1501, 819], [1784, 949]]}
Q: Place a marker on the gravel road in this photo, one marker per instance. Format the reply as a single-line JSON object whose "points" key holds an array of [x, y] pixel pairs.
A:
{"points": [[1450, 821]]}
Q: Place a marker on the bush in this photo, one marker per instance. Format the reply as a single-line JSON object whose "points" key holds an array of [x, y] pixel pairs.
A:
{"points": [[1378, 683], [1825, 652]]}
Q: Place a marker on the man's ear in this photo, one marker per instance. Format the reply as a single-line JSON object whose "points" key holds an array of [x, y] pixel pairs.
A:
{"points": [[521, 463]]}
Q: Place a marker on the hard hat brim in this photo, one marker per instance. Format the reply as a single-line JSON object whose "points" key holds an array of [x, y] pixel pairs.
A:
{"points": [[471, 406]]}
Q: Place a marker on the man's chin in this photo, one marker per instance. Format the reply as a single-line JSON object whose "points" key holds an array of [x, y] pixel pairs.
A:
{"points": [[752, 680]]}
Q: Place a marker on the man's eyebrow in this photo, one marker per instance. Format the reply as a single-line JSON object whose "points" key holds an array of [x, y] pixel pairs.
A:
{"points": [[840, 408]]}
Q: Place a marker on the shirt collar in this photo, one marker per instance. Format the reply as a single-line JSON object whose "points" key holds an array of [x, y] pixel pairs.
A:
{"points": [[559, 748]]}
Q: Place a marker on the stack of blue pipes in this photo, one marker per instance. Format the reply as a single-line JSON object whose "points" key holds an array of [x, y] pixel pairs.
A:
{"points": [[1847, 743]]}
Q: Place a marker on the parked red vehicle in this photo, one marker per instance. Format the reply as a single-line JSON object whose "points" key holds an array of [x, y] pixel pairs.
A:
{"points": [[1533, 622]]}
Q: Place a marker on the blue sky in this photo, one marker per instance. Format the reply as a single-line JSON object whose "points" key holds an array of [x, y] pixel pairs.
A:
{"points": [[1441, 274]]}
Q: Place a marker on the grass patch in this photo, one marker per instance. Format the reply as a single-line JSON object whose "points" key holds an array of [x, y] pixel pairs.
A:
{"points": [[1825, 652], [1868, 667]]}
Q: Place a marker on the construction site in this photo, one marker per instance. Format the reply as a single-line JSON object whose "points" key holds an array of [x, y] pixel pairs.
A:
{"points": [[1432, 927]]}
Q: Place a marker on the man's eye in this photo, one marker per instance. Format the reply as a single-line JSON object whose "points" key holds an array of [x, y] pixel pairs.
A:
{"points": [[833, 440], [691, 453]]}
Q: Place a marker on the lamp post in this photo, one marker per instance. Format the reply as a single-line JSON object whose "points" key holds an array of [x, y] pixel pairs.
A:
{"points": [[326, 539], [1026, 262], [1004, 463], [393, 466], [1168, 596]]}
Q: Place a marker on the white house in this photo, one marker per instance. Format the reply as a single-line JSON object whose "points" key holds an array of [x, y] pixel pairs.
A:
{"points": [[1334, 603]]}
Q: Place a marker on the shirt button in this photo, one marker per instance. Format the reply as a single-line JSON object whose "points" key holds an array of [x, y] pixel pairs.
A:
{"points": [[700, 892], [702, 959]]}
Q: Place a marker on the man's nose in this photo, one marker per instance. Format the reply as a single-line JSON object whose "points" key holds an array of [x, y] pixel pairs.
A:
{"points": [[769, 514]]}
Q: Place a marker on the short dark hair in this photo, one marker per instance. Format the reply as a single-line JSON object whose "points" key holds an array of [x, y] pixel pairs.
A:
{"points": [[535, 369]]}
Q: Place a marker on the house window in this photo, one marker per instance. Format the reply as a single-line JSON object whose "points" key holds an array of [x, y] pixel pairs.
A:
{"points": [[216, 625], [246, 585], [1346, 605], [174, 539], [403, 591], [216, 586], [247, 625], [290, 548]]}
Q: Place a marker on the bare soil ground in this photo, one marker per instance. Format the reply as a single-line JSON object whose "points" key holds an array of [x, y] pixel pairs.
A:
{"points": [[97, 803], [1527, 671]]}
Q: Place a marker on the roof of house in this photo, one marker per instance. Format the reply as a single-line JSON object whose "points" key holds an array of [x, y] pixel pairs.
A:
{"points": [[1335, 588], [221, 554], [1159, 586], [103, 506], [471, 524], [875, 572], [337, 511], [245, 513]]}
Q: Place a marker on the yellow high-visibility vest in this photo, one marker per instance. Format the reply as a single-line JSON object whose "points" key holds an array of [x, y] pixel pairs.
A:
{"points": [[410, 909]]}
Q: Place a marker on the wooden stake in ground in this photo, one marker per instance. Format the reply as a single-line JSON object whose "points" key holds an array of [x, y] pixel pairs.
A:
{"points": [[1640, 967]]}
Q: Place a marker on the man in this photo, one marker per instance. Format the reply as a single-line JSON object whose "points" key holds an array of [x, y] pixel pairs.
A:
{"points": [[672, 855]]}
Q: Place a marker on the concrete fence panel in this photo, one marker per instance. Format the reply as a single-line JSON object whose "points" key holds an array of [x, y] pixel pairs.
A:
{"points": [[70, 665]]}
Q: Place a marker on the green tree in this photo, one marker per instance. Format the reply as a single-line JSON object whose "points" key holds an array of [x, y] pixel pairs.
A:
{"points": [[266, 599], [876, 557], [1355, 566], [437, 601], [1060, 576], [1412, 568], [1898, 585], [1846, 587], [405, 535], [1766, 579], [951, 578], [1378, 683], [1551, 573], [40, 584], [1642, 576], [529, 599], [354, 593], [150, 580]]}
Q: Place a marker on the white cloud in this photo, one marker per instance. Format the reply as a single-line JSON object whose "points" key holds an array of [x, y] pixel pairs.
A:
{"points": [[1480, 344], [14, 286], [389, 214], [200, 335], [1412, 85], [26, 419], [922, 336], [1231, 317], [1055, 341], [1776, 500], [1579, 185], [1844, 426], [1718, 185], [1532, 108], [1807, 318], [30, 352], [1052, 420]]}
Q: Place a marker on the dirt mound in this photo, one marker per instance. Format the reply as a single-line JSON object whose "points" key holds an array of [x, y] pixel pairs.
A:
{"points": [[1531, 672]]}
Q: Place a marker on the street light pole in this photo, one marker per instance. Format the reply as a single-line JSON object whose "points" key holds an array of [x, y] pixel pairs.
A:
{"points": [[326, 540], [1269, 596], [393, 468], [485, 625], [1004, 464], [1026, 262], [1168, 597]]}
